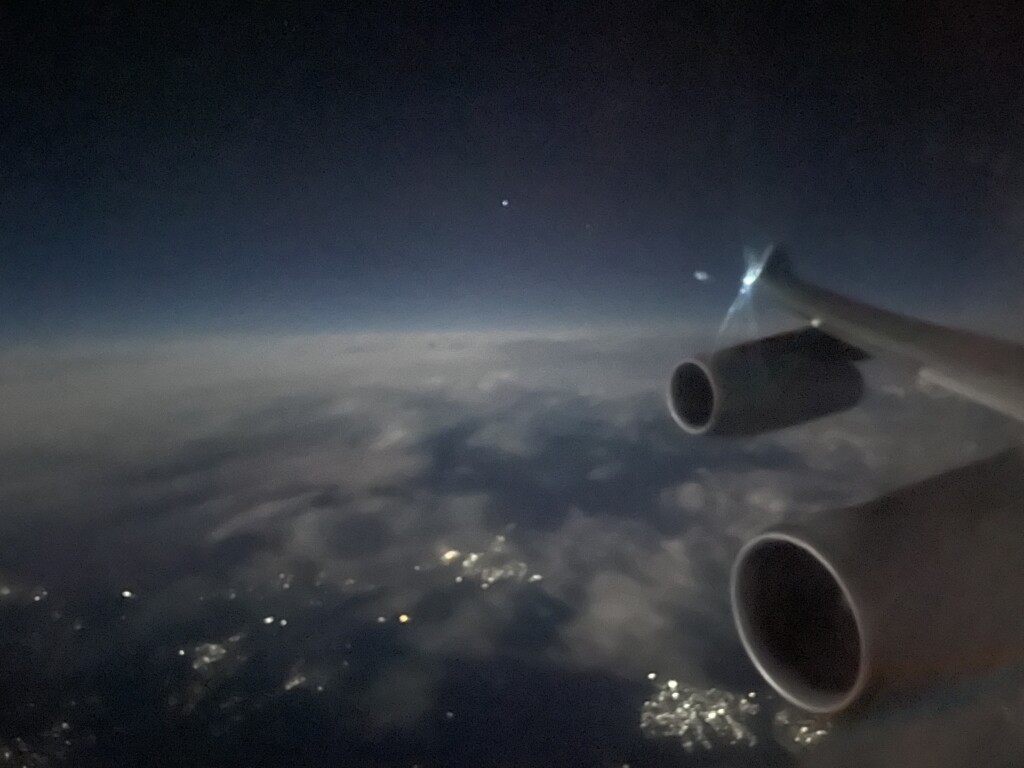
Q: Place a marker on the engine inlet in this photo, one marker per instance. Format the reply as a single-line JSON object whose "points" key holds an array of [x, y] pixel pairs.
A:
{"points": [[691, 397], [797, 623]]}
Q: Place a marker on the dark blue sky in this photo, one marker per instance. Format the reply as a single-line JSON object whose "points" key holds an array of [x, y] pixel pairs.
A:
{"points": [[179, 167]]}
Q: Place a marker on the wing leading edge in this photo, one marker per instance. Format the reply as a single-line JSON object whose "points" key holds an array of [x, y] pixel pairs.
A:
{"points": [[980, 368]]}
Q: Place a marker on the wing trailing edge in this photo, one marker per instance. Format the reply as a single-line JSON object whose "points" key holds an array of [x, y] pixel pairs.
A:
{"points": [[986, 370]]}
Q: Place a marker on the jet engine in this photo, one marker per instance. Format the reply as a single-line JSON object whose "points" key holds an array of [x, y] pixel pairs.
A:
{"points": [[765, 384], [919, 588]]}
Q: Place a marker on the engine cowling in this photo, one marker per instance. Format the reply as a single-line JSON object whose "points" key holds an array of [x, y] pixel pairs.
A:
{"points": [[918, 589], [767, 384]]}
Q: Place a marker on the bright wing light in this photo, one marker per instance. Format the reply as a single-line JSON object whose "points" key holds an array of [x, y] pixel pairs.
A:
{"points": [[755, 261]]}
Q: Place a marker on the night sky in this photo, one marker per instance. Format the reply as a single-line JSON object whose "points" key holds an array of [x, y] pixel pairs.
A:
{"points": [[177, 168]]}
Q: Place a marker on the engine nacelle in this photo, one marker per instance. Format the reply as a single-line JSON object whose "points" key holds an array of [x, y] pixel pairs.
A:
{"points": [[770, 383], [920, 588]]}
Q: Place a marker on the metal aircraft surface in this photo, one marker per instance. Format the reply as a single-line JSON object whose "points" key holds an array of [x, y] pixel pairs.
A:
{"points": [[920, 587]]}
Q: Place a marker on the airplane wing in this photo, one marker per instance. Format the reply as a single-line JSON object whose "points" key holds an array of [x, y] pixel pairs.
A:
{"points": [[980, 368], [917, 589]]}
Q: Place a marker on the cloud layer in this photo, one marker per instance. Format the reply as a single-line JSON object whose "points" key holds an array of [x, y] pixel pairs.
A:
{"points": [[444, 549]]}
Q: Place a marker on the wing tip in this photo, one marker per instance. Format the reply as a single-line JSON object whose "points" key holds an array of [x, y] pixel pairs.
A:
{"points": [[776, 263]]}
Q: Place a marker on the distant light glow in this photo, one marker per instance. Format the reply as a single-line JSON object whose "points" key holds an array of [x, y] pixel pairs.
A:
{"points": [[450, 556], [504, 203], [294, 681], [702, 276], [206, 655], [701, 719], [492, 565], [800, 729]]}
